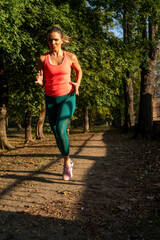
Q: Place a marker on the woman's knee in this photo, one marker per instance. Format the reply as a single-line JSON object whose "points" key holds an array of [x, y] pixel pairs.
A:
{"points": [[61, 133]]}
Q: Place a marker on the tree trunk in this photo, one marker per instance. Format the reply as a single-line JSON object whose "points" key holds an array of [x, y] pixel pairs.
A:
{"points": [[128, 98], [28, 128], [19, 126], [86, 120], [4, 144], [127, 81], [145, 121], [40, 123]]}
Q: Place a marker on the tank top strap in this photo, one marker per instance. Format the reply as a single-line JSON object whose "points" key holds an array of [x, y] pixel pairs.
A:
{"points": [[67, 57]]}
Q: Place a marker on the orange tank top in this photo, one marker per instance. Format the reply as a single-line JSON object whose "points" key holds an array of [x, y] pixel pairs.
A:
{"points": [[57, 77]]}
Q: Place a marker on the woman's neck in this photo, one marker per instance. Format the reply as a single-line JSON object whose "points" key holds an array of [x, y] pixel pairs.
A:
{"points": [[57, 53]]}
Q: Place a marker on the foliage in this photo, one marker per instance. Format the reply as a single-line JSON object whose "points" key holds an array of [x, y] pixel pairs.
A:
{"points": [[103, 57]]}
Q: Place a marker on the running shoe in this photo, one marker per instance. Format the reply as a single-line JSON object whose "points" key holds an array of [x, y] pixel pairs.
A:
{"points": [[67, 173]]}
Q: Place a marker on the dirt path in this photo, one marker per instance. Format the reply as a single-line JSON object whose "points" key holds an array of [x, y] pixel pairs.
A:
{"points": [[113, 195]]}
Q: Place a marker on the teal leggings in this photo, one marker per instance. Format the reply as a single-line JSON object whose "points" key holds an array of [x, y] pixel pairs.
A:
{"points": [[60, 110]]}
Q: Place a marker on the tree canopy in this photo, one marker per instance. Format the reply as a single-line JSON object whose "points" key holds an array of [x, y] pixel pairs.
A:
{"points": [[104, 58]]}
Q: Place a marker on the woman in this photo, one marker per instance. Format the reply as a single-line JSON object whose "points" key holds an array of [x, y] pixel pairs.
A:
{"points": [[55, 67]]}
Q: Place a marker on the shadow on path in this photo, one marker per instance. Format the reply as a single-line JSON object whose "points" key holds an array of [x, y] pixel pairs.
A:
{"points": [[112, 205], [116, 204]]}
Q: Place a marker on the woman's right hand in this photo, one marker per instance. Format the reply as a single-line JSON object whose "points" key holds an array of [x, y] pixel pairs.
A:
{"points": [[39, 78]]}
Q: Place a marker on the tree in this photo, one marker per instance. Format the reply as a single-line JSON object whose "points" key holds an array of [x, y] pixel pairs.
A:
{"points": [[40, 122], [10, 20], [122, 11], [3, 110], [149, 15], [140, 21], [127, 80]]}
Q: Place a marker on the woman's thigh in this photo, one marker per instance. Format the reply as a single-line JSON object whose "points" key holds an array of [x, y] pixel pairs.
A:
{"points": [[65, 111]]}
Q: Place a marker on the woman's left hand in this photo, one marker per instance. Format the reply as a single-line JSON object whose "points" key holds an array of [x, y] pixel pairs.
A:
{"points": [[76, 86]]}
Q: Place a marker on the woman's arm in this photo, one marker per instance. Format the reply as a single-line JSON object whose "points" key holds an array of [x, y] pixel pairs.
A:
{"points": [[76, 66], [39, 76]]}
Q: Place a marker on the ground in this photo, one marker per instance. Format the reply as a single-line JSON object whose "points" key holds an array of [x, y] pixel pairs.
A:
{"points": [[113, 195]]}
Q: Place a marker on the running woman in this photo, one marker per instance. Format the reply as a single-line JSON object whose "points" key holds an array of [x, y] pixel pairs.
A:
{"points": [[55, 68]]}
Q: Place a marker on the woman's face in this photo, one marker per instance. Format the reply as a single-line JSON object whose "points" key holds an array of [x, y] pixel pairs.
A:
{"points": [[54, 41]]}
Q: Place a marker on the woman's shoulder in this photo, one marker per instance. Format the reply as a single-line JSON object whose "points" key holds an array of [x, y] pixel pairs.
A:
{"points": [[42, 57], [41, 60], [71, 56]]}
